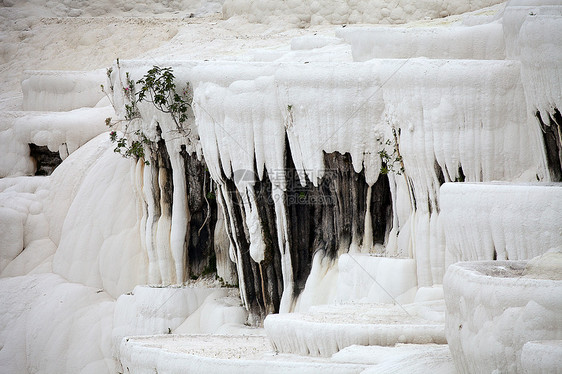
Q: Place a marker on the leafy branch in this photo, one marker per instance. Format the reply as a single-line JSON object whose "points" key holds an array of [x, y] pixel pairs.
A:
{"points": [[131, 109], [392, 162], [128, 148], [128, 143], [159, 88]]}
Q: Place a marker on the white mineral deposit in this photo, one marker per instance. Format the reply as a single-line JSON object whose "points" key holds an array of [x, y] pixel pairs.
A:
{"points": [[262, 186]]}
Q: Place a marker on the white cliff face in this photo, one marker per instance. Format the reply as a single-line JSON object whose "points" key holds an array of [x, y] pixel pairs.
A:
{"points": [[500, 221], [540, 72], [461, 99], [466, 119], [444, 139], [24, 225], [540, 65], [68, 253], [442, 134], [94, 247]]}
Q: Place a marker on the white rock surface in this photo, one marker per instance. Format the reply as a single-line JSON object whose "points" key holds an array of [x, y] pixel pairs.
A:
{"points": [[61, 132], [83, 221], [394, 279], [53, 326], [543, 356], [74, 324], [493, 311], [97, 247], [218, 354], [487, 221], [401, 358], [307, 12], [60, 91], [325, 330], [479, 42]]}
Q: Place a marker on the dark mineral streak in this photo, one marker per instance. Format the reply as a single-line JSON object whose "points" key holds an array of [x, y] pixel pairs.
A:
{"points": [[553, 143], [326, 218]]}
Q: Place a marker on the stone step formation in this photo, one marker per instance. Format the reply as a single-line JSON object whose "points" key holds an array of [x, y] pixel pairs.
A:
{"points": [[333, 186]]}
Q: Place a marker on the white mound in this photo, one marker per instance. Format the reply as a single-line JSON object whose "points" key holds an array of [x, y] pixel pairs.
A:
{"points": [[325, 330], [218, 354], [493, 310]]}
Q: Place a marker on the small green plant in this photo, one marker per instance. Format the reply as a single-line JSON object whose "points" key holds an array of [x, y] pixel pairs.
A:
{"points": [[108, 73], [159, 88], [131, 109], [392, 162], [130, 148], [129, 143], [289, 120]]}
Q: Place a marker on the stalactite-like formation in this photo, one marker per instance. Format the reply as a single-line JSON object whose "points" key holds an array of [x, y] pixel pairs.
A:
{"points": [[197, 251], [295, 151], [328, 217], [203, 216], [552, 136], [253, 282]]}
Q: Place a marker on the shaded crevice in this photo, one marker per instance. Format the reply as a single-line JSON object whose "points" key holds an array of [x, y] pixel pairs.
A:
{"points": [[45, 160], [201, 257], [238, 236], [270, 271], [461, 177], [300, 222], [165, 175], [381, 209], [327, 218], [439, 173], [412, 194], [433, 203], [154, 209], [429, 204], [348, 191], [552, 143], [262, 282], [330, 216]]}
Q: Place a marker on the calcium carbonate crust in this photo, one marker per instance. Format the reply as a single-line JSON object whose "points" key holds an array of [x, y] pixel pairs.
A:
{"points": [[493, 311]]}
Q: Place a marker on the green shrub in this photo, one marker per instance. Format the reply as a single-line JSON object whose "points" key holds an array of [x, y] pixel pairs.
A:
{"points": [[158, 87], [392, 162]]}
